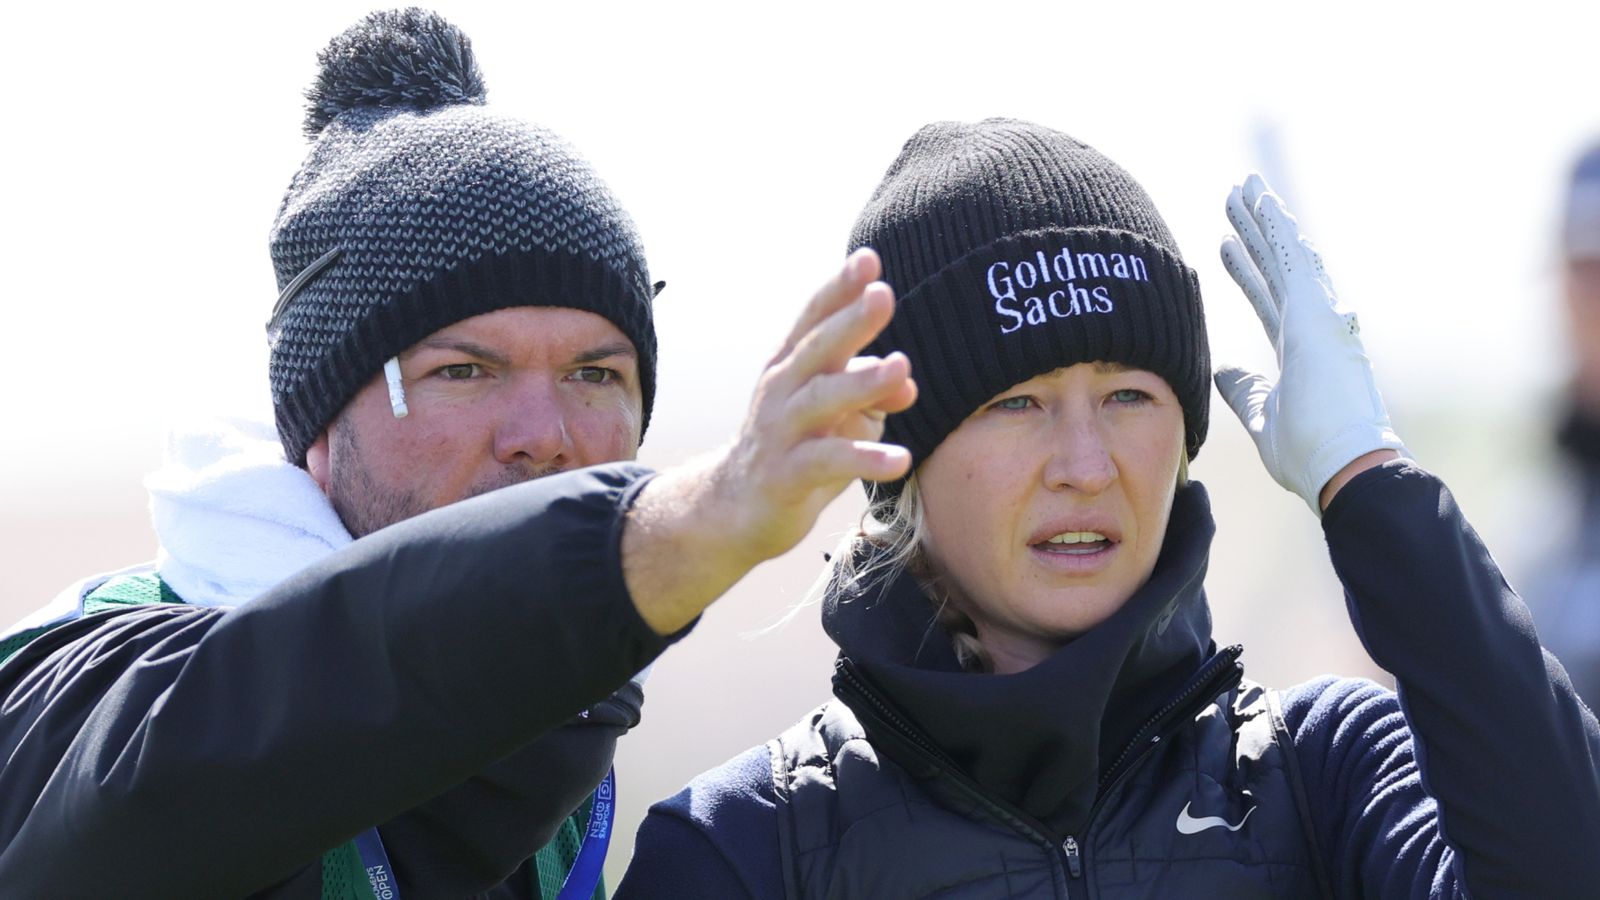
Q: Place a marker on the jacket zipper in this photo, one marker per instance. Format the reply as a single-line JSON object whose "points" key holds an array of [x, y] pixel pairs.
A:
{"points": [[1223, 676], [1213, 685], [1208, 683], [853, 684], [1069, 847], [857, 687]]}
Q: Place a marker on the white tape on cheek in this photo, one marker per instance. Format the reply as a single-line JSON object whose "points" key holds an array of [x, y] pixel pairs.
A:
{"points": [[397, 388]]}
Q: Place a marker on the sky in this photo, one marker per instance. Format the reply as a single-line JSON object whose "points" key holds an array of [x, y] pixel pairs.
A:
{"points": [[1423, 149]]}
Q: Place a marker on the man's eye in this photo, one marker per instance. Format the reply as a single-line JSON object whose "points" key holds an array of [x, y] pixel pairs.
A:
{"points": [[460, 371], [1129, 395], [597, 375], [1012, 403]]}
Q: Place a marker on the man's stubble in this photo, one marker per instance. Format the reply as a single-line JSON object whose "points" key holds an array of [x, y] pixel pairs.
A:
{"points": [[364, 504]]}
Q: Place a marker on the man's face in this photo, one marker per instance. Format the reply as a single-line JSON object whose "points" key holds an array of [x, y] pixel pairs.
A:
{"points": [[494, 400]]}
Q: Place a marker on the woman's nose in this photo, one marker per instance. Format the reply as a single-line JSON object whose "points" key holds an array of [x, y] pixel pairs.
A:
{"points": [[1079, 460]]}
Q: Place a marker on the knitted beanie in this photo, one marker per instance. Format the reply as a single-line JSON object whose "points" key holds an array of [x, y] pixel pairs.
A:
{"points": [[1015, 250], [417, 208]]}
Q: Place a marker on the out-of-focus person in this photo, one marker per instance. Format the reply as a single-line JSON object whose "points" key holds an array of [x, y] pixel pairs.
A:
{"points": [[1564, 588]]}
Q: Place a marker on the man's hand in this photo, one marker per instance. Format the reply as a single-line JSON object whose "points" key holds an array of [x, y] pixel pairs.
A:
{"points": [[1323, 420], [813, 427]]}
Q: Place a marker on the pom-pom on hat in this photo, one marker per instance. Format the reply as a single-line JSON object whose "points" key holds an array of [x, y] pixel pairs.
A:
{"points": [[1016, 250], [419, 207]]}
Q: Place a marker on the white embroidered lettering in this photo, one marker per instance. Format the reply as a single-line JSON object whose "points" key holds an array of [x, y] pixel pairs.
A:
{"points": [[1093, 265], [1104, 297], [1000, 307], [1064, 259], [1067, 269], [995, 289], [1054, 311]]}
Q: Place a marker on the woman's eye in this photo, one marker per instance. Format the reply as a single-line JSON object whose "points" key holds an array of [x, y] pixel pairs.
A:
{"points": [[460, 371], [1129, 395], [1012, 403], [597, 375]]}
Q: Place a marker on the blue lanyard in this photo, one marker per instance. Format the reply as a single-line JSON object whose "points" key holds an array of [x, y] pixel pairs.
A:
{"points": [[581, 880], [585, 872], [376, 862]]}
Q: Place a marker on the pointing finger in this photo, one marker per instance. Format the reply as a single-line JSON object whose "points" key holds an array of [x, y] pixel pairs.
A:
{"points": [[834, 460], [859, 270], [854, 398], [830, 345]]}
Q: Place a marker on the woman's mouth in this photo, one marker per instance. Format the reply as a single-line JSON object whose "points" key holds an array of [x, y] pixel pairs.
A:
{"points": [[1075, 552], [1076, 543]]}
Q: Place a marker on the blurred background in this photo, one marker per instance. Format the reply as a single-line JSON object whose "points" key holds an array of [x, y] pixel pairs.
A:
{"points": [[1426, 153]]}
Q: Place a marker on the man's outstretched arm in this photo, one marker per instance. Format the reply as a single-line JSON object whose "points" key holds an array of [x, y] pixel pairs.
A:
{"points": [[258, 738], [179, 751], [813, 427]]}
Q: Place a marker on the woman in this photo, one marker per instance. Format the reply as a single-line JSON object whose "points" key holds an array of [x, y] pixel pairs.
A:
{"points": [[1029, 700]]}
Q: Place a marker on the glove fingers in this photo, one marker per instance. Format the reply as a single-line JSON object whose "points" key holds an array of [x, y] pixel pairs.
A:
{"points": [[1316, 308], [1282, 233], [1254, 186], [1324, 409], [1246, 393], [1243, 218], [1254, 189], [1236, 259]]}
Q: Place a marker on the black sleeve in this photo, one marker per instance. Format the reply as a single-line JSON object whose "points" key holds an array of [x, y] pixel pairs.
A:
{"points": [[170, 752], [1507, 759], [475, 835]]}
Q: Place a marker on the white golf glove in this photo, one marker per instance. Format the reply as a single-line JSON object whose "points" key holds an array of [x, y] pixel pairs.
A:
{"points": [[1324, 411]]}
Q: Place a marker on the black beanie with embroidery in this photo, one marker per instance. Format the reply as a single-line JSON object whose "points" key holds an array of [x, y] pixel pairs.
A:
{"points": [[1015, 250], [419, 207]]}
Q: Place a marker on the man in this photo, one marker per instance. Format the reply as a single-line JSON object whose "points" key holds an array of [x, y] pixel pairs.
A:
{"points": [[382, 653], [1564, 591]]}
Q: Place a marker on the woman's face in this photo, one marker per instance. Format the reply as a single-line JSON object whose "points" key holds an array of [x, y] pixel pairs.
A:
{"points": [[1045, 509]]}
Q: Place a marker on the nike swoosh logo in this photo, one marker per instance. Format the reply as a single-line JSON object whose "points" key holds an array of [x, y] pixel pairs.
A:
{"points": [[1188, 824]]}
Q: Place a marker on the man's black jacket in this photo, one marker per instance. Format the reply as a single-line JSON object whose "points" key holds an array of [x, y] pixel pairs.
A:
{"points": [[404, 681]]}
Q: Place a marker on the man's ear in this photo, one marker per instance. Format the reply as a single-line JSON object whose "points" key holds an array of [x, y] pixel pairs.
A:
{"points": [[317, 460]]}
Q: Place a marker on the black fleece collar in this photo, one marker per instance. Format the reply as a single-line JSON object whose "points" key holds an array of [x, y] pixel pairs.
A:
{"points": [[1038, 739]]}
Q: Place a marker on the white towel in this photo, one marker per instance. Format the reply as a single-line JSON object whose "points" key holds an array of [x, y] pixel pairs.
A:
{"points": [[232, 515]]}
